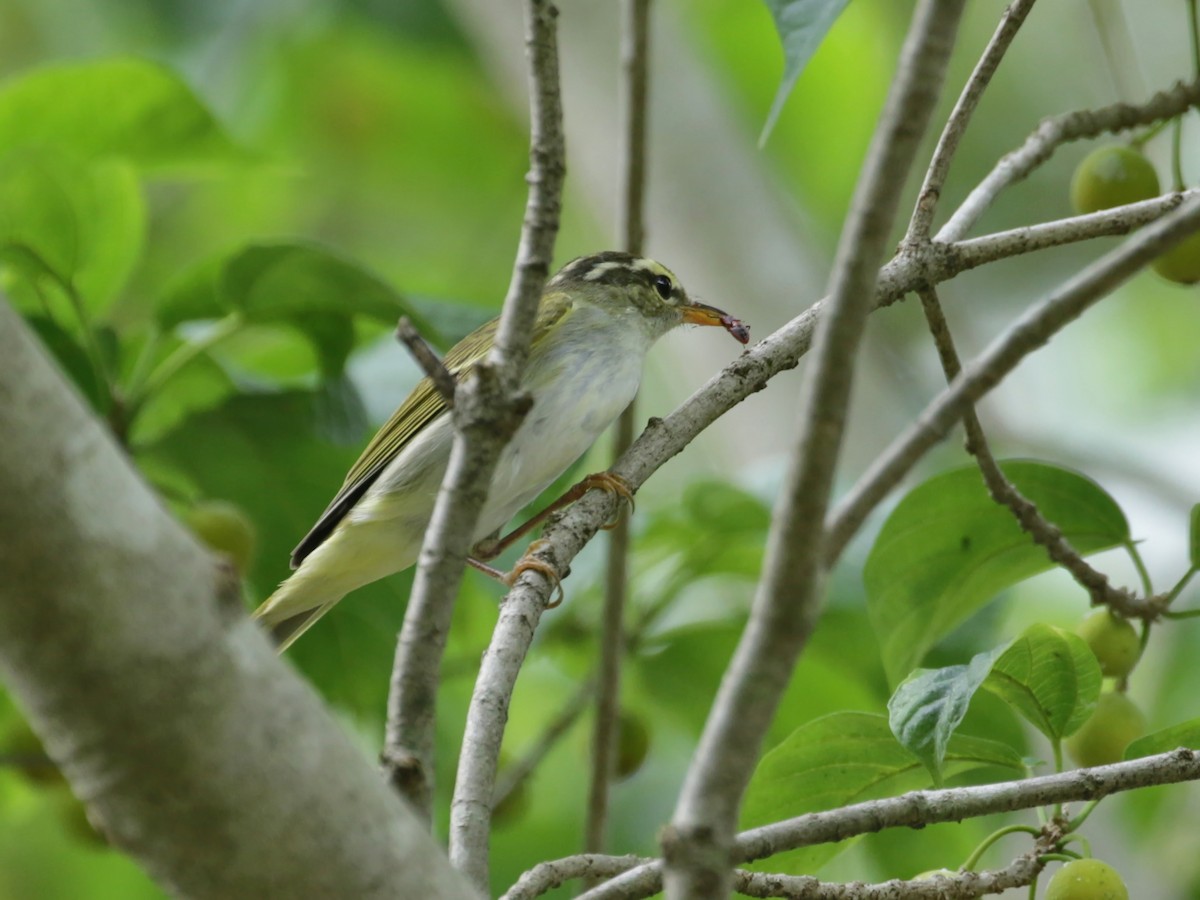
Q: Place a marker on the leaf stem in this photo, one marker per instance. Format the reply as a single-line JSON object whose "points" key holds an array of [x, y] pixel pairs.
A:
{"points": [[181, 357], [1140, 565], [973, 860]]}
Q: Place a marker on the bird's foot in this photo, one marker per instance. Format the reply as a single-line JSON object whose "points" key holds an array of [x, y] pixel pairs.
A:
{"points": [[528, 563], [613, 484]]}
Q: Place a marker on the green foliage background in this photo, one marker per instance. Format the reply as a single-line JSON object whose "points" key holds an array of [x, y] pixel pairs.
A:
{"points": [[302, 171]]}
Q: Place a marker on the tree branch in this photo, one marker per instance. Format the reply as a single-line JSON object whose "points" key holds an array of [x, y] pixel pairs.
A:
{"points": [[1027, 334], [919, 809], [696, 845], [430, 363], [204, 755], [1106, 223], [635, 28], [471, 807], [960, 117], [1058, 130], [489, 408], [1003, 491]]}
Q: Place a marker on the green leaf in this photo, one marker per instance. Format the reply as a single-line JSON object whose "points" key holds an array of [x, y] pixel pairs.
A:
{"points": [[71, 356], [305, 286], [132, 108], [947, 549], [1194, 538], [802, 25], [930, 704], [83, 223], [845, 758], [1050, 677], [265, 453], [1185, 734]]}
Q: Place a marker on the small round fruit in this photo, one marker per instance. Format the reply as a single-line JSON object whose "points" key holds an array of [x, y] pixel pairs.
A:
{"points": [[633, 743], [1086, 879], [226, 528], [1181, 263], [1112, 176], [1114, 641], [1102, 739]]}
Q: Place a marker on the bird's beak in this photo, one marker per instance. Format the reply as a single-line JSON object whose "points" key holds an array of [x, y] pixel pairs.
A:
{"points": [[703, 314]]}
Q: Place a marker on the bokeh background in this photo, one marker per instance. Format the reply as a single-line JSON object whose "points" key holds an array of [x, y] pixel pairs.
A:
{"points": [[394, 134]]}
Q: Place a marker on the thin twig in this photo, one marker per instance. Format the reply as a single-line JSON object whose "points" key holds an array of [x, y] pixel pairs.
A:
{"points": [[474, 786], [959, 886], [430, 363], [1029, 333], [514, 775], [1058, 130], [960, 117], [635, 27], [696, 845], [1106, 223], [1003, 491], [916, 809]]}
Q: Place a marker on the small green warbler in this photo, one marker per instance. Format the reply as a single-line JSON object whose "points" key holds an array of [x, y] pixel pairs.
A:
{"points": [[596, 321]]}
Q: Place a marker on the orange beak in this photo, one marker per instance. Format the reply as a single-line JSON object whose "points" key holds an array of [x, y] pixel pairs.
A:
{"points": [[703, 314]]}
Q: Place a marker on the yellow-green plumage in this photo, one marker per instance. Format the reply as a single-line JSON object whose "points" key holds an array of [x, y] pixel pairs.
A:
{"points": [[597, 319]]}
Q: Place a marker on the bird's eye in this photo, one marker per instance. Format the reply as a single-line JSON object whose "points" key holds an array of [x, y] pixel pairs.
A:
{"points": [[662, 284]]}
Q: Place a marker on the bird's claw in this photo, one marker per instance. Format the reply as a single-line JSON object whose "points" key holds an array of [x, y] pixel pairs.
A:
{"points": [[528, 563]]}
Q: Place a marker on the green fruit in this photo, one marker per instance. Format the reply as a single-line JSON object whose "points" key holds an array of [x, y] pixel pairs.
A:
{"points": [[633, 743], [1112, 176], [1114, 641], [226, 528], [1102, 739], [1086, 879], [1181, 263]]}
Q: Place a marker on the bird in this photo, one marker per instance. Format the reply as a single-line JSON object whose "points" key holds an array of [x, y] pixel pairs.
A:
{"points": [[597, 318]]}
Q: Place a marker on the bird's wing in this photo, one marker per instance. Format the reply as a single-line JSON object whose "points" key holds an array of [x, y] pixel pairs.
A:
{"points": [[423, 405]]}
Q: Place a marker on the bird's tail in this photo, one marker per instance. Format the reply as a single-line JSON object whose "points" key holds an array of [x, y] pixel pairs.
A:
{"points": [[295, 607]]}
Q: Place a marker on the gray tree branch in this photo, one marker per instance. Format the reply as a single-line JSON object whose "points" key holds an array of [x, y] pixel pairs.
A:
{"points": [[489, 406], [474, 786], [696, 846], [916, 809], [200, 752]]}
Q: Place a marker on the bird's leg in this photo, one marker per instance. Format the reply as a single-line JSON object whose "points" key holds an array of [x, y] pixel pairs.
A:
{"points": [[491, 547], [524, 564]]}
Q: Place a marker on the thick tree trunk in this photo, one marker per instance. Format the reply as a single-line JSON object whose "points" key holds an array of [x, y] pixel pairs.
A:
{"points": [[201, 753]]}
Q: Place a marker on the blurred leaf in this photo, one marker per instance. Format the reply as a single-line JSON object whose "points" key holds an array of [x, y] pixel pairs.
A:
{"points": [[82, 222], [947, 549], [1049, 676], [302, 285], [840, 759], [125, 107], [71, 357], [266, 453], [802, 25], [929, 704], [341, 416], [1185, 734], [200, 385]]}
